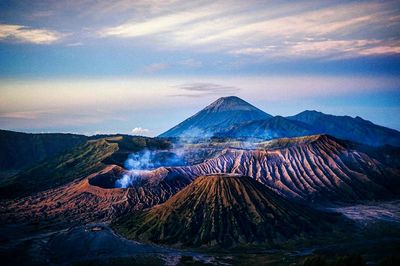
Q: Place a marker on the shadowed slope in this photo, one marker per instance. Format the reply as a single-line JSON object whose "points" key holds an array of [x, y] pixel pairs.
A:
{"points": [[77, 163], [222, 210], [19, 150], [271, 128], [222, 113], [349, 128]]}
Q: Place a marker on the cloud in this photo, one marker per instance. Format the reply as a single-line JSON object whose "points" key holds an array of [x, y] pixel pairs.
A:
{"points": [[157, 67], [74, 44], [191, 63], [28, 35], [156, 25], [254, 50], [324, 48], [21, 115], [269, 30], [140, 131], [41, 119], [204, 89]]}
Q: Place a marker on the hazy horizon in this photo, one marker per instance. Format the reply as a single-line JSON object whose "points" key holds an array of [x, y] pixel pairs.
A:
{"points": [[141, 67]]}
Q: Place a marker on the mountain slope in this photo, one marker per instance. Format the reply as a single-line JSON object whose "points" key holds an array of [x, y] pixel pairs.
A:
{"points": [[234, 118], [19, 150], [346, 127], [222, 210], [76, 163], [271, 128], [309, 168], [91, 199], [221, 114]]}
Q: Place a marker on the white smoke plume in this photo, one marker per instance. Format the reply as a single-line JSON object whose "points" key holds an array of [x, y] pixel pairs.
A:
{"points": [[146, 160]]}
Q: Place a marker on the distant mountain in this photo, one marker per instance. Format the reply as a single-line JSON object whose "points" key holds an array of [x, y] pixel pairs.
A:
{"points": [[233, 117], [271, 128], [219, 115], [222, 210], [19, 150], [346, 127]]}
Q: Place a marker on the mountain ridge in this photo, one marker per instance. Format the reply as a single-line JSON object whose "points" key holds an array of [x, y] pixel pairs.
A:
{"points": [[318, 167], [232, 117], [221, 210], [346, 127]]}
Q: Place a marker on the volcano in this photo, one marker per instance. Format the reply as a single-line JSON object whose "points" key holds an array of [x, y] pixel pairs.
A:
{"points": [[223, 113], [222, 210], [232, 117], [312, 168]]}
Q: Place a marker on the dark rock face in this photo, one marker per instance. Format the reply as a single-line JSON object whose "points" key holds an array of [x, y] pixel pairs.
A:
{"points": [[223, 210], [222, 113]]}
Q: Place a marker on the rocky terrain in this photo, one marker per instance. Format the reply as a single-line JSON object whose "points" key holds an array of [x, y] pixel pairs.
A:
{"points": [[92, 199], [223, 210], [201, 187], [307, 168], [312, 169]]}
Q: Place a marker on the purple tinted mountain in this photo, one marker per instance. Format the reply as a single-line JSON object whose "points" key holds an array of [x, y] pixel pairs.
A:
{"points": [[346, 127], [234, 118], [271, 128], [222, 210], [222, 113]]}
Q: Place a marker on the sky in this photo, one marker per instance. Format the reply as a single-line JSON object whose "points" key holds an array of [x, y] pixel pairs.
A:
{"points": [[140, 67]]}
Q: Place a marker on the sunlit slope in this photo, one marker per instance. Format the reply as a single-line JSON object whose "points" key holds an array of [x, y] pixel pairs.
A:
{"points": [[316, 167], [222, 210], [76, 163]]}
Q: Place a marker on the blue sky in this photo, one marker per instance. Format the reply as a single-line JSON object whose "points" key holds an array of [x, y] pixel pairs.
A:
{"points": [[142, 66]]}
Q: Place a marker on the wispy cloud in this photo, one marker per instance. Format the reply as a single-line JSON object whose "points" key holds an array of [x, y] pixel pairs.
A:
{"points": [[156, 67], [235, 28], [140, 131], [44, 118], [191, 63], [21, 115], [27, 34], [156, 25], [326, 48], [204, 89], [267, 29]]}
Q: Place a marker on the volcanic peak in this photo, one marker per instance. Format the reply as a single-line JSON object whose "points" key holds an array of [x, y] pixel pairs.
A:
{"points": [[230, 103], [222, 210]]}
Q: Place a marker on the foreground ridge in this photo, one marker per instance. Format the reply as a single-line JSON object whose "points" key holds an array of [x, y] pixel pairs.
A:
{"points": [[223, 210]]}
